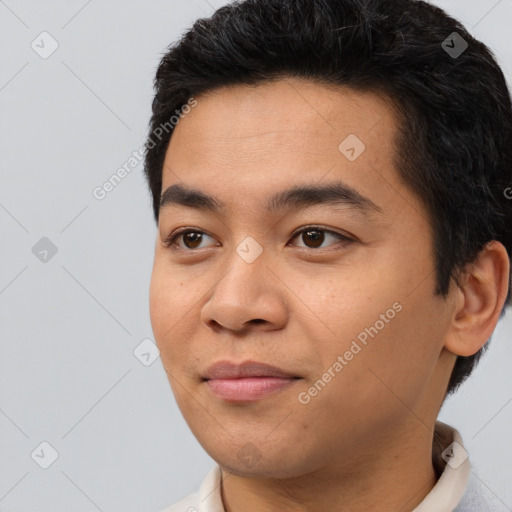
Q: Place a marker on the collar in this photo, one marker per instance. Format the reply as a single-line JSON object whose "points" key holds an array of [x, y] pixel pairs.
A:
{"points": [[448, 451], [449, 458]]}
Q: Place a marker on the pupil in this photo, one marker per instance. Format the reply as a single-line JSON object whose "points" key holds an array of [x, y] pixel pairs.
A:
{"points": [[317, 237], [194, 238]]}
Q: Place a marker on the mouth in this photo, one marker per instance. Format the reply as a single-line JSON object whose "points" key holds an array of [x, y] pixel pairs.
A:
{"points": [[230, 370], [246, 382], [248, 389]]}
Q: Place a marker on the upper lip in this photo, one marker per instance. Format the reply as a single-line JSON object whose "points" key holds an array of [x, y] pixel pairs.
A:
{"points": [[229, 370]]}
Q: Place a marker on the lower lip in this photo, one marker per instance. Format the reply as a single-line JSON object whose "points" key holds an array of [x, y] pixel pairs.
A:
{"points": [[247, 389]]}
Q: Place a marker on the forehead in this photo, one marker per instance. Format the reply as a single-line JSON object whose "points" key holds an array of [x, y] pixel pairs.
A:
{"points": [[291, 109], [249, 140]]}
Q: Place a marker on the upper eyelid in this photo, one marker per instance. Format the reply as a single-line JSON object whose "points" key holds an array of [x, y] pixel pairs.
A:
{"points": [[319, 228], [184, 231]]}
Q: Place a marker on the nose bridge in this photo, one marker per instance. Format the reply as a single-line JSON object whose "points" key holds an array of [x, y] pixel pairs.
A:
{"points": [[245, 291], [246, 272]]}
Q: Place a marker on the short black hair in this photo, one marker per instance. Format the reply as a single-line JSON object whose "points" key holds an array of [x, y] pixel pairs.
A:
{"points": [[453, 148]]}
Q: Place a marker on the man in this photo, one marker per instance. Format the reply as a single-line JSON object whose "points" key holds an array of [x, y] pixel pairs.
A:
{"points": [[333, 249]]}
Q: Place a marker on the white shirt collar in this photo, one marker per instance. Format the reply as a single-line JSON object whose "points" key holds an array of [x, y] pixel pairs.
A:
{"points": [[451, 485]]}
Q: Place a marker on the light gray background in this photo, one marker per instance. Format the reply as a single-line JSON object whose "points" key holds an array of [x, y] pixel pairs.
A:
{"points": [[68, 374]]}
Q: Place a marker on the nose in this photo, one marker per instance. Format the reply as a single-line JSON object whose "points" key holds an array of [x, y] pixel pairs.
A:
{"points": [[248, 296]]}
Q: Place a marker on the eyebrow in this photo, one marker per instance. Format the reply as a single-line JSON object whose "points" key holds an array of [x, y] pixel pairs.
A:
{"points": [[301, 196]]}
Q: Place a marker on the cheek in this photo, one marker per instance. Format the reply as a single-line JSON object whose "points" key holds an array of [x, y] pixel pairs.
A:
{"points": [[158, 302], [168, 295], [166, 305], [363, 314], [172, 308], [342, 304]]}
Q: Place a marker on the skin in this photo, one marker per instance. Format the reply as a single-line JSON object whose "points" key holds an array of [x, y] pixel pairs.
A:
{"points": [[365, 441]]}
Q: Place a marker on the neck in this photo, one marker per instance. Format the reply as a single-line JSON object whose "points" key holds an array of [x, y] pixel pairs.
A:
{"points": [[394, 475]]}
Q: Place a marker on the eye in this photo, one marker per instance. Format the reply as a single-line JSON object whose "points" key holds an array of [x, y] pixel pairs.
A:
{"points": [[314, 236], [191, 238]]}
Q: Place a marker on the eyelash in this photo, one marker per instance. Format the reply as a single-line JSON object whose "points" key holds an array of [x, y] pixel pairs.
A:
{"points": [[169, 241]]}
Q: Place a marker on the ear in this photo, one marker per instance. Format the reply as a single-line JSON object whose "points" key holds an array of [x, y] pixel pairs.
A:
{"points": [[479, 298]]}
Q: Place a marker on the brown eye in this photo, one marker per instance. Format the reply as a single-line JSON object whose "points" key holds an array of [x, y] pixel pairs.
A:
{"points": [[313, 237], [192, 239]]}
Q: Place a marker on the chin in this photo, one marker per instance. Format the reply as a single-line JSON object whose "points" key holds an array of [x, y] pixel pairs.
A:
{"points": [[275, 466]]}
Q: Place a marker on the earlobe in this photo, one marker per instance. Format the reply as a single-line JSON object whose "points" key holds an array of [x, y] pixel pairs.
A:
{"points": [[480, 297]]}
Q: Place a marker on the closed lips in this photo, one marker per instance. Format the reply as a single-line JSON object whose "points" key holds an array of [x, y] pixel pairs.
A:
{"points": [[230, 370]]}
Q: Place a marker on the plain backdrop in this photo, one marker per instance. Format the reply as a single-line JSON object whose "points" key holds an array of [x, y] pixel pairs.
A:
{"points": [[75, 270]]}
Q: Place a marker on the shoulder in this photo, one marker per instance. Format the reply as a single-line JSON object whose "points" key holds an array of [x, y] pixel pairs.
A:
{"points": [[479, 497]]}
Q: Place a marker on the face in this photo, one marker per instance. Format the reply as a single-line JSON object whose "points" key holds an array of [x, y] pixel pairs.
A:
{"points": [[333, 285]]}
